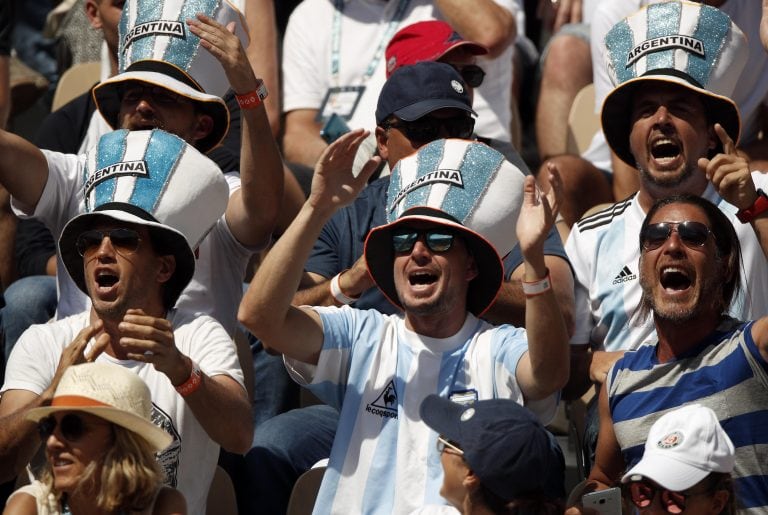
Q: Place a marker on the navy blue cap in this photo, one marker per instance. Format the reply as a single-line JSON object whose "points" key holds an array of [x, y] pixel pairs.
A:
{"points": [[504, 444], [416, 90]]}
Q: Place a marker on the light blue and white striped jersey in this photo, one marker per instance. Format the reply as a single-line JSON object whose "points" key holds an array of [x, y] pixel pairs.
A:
{"points": [[604, 251], [377, 372], [725, 372]]}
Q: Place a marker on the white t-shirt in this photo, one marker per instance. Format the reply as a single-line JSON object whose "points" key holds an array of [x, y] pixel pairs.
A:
{"points": [[604, 250], [217, 285], [751, 90], [190, 460], [377, 373], [307, 50]]}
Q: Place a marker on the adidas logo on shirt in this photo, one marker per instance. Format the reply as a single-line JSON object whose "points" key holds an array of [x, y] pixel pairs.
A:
{"points": [[624, 276]]}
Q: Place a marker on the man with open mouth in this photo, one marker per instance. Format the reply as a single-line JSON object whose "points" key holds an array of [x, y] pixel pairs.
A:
{"points": [[451, 210], [670, 115]]}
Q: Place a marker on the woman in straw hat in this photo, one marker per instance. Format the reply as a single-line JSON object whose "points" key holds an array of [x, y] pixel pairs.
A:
{"points": [[100, 445]]}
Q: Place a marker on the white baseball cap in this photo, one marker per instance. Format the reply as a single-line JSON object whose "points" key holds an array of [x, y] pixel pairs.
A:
{"points": [[683, 447]]}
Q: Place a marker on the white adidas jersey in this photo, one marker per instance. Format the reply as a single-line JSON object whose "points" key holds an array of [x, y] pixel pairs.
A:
{"points": [[377, 373], [604, 250]]}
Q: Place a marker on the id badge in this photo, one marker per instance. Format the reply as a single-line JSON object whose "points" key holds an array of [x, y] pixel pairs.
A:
{"points": [[342, 101]]}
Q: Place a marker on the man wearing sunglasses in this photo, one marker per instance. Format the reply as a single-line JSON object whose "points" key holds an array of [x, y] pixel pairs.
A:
{"points": [[336, 272], [132, 254], [430, 261], [333, 62], [689, 275], [174, 95], [680, 128]]}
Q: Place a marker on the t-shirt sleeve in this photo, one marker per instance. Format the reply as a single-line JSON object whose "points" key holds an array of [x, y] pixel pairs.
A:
{"points": [[582, 315], [33, 360], [304, 81], [553, 246], [209, 345], [346, 332]]}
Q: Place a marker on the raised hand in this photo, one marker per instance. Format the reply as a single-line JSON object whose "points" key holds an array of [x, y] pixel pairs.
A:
{"points": [[225, 46], [539, 211], [333, 183], [729, 172]]}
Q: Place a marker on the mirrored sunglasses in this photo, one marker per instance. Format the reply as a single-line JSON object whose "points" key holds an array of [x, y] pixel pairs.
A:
{"points": [[122, 239], [428, 129], [437, 240], [692, 234]]}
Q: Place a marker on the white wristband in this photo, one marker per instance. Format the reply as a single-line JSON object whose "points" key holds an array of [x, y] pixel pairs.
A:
{"points": [[535, 288], [339, 295]]}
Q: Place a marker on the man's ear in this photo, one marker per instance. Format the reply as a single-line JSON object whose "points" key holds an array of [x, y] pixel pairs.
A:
{"points": [[712, 139], [381, 143], [471, 482], [472, 270], [203, 127], [92, 12], [166, 269]]}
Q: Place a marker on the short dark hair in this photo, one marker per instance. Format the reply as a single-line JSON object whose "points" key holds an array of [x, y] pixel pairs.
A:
{"points": [[161, 247], [726, 239]]}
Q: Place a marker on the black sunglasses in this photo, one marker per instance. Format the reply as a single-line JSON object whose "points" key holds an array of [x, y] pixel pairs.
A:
{"points": [[122, 239], [692, 234], [134, 92], [437, 240], [642, 494], [428, 129], [72, 427], [472, 74]]}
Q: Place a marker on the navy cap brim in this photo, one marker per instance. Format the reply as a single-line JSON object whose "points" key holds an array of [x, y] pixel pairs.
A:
{"points": [[442, 415], [416, 110]]}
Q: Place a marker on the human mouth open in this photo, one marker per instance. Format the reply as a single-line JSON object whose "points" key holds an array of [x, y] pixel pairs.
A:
{"points": [[421, 278], [665, 151], [675, 279]]}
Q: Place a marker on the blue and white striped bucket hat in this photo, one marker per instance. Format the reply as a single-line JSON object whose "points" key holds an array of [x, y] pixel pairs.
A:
{"points": [[157, 48], [150, 178], [465, 185], [695, 46]]}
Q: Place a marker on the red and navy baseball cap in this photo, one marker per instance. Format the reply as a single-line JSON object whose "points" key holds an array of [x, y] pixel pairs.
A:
{"points": [[425, 41], [417, 90]]}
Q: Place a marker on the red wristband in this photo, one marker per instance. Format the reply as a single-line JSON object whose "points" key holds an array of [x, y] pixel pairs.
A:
{"points": [[194, 381], [254, 98], [760, 206]]}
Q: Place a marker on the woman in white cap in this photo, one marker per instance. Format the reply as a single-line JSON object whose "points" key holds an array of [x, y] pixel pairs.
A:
{"points": [[686, 466], [100, 445]]}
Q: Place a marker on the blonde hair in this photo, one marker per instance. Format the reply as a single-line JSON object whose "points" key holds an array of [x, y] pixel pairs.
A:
{"points": [[126, 478]]}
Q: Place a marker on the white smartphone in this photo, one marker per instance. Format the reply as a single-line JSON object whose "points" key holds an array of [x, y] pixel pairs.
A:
{"points": [[605, 502]]}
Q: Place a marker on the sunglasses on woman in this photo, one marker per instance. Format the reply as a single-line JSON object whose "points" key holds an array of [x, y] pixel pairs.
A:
{"points": [[692, 234], [642, 494], [126, 240], [427, 128], [437, 240], [72, 427]]}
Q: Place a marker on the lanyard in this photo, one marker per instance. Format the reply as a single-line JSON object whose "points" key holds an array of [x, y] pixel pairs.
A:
{"points": [[336, 39]]}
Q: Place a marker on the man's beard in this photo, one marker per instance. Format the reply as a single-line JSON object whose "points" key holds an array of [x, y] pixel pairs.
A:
{"points": [[710, 296], [665, 180]]}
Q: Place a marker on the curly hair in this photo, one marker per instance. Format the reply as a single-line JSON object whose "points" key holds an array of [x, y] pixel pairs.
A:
{"points": [[125, 479]]}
